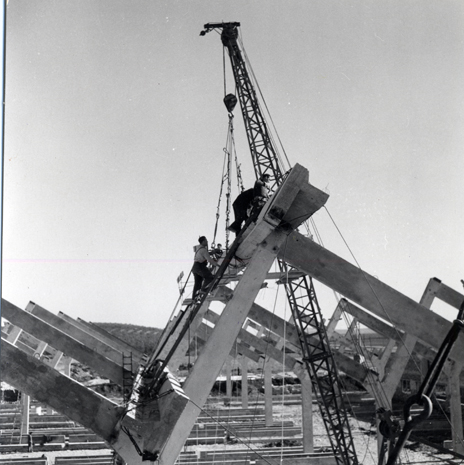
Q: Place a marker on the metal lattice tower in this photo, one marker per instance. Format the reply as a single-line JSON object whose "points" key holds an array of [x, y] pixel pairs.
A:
{"points": [[320, 364], [305, 309]]}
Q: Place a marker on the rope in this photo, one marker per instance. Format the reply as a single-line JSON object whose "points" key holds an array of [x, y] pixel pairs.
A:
{"points": [[283, 365], [378, 390], [376, 385], [256, 85], [226, 177], [264, 362], [222, 425], [372, 290], [224, 68], [223, 179]]}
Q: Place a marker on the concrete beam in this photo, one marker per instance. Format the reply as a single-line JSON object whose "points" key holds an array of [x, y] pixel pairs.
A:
{"points": [[209, 363], [63, 394], [204, 332], [449, 295], [260, 344], [294, 201], [367, 291], [77, 333], [105, 336], [371, 321], [382, 328], [169, 404], [269, 320], [62, 342]]}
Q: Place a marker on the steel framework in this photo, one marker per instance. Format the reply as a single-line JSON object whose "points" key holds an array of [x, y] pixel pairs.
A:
{"points": [[300, 292]]}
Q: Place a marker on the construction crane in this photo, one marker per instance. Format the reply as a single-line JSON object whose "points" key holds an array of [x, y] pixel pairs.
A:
{"points": [[301, 295]]}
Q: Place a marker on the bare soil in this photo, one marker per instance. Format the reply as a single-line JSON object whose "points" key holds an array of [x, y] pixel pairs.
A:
{"points": [[364, 439]]}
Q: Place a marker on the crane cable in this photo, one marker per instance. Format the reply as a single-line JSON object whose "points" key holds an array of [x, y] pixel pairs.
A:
{"points": [[388, 317], [380, 396], [285, 164], [226, 178], [372, 290], [377, 388], [271, 136], [358, 347]]}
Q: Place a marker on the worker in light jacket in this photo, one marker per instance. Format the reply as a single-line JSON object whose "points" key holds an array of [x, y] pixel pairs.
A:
{"points": [[261, 191], [201, 273]]}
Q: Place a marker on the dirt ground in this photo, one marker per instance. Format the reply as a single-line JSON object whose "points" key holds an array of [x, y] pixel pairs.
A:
{"points": [[364, 438], [363, 433]]}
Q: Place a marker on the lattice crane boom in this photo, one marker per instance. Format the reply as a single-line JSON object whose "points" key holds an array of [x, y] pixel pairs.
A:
{"points": [[263, 152], [306, 313]]}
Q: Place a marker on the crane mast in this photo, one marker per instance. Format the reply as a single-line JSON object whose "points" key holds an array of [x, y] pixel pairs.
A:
{"points": [[301, 295], [263, 153]]}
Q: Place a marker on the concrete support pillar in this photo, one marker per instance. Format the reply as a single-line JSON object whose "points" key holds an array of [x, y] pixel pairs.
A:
{"points": [[332, 324], [56, 359], [424, 368], [244, 382], [307, 412], [25, 408], [228, 378], [386, 354], [454, 372], [13, 335], [268, 392], [66, 362]]}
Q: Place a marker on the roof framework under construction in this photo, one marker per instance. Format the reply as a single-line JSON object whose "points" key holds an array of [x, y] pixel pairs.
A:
{"points": [[158, 413]]}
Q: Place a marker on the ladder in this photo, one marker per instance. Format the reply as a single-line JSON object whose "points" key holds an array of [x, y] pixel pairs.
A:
{"points": [[127, 377]]}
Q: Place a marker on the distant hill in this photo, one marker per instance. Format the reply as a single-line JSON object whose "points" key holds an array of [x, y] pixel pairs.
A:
{"points": [[142, 338]]}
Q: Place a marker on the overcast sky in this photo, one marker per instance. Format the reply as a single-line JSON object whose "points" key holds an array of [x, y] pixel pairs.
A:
{"points": [[115, 130]]}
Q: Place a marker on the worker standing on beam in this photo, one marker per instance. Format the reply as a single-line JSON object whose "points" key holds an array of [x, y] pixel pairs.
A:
{"points": [[261, 191], [241, 206], [255, 198], [201, 273]]}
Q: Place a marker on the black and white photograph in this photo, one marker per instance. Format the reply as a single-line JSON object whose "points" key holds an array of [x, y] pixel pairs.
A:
{"points": [[232, 232]]}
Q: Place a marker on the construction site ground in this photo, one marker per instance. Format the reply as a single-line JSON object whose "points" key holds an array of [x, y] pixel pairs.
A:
{"points": [[363, 433], [364, 438]]}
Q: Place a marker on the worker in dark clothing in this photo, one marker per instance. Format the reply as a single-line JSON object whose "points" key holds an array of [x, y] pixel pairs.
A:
{"points": [[201, 273], [251, 199], [241, 206], [217, 252]]}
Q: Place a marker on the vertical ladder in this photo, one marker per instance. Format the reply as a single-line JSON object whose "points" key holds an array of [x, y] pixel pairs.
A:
{"points": [[127, 377]]}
